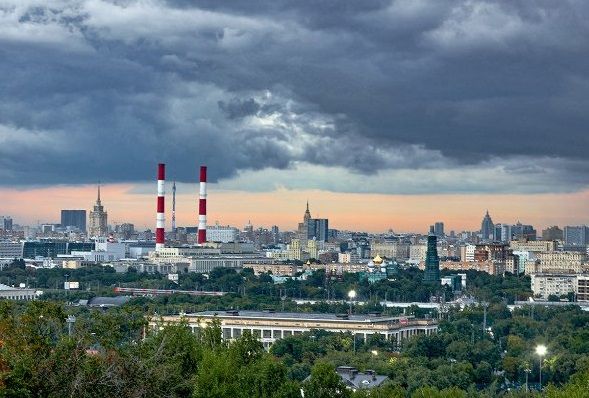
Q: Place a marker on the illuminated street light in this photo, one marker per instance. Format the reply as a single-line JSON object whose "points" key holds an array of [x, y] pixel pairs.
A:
{"points": [[351, 296], [541, 351]]}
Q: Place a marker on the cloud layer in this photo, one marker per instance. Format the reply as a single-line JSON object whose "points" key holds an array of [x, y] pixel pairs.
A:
{"points": [[406, 96]]}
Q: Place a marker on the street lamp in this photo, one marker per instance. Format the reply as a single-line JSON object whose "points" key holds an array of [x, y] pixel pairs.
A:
{"points": [[541, 351], [351, 296]]}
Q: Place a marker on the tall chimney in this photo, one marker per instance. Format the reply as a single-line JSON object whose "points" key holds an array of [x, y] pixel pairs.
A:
{"points": [[160, 218], [202, 206], [174, 208]]}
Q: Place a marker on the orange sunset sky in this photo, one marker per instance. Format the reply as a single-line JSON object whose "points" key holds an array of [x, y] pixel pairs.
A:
{"points": [[362, 212]]}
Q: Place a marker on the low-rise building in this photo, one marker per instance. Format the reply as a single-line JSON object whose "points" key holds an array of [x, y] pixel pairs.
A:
{"points": [[17, 293], [390, 249], [489, 266], [220, 233], [535, 246], [355, 380], [545, 285], [274, 269], [582, 290], [10, 249], [571, 262], [418, 252], [269, 326]]}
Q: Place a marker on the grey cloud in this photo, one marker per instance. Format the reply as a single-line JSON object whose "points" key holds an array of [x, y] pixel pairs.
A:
{"points": [[368, 86], [237, 108]]}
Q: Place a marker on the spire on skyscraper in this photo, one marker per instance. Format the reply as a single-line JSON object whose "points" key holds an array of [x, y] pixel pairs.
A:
{"points": [[98, 218], [307, 213], [487, 227]]}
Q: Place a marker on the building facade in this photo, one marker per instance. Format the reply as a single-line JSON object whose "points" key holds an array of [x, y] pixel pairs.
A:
{"points": [[10, 249], [545, 285], [432, 261], [6, 223], [271, 326], [224, 234], [74, 219], [13, 293], [552, 233]]}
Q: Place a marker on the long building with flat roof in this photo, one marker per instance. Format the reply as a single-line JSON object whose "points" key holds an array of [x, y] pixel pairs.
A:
{"points": [[270, 326]]}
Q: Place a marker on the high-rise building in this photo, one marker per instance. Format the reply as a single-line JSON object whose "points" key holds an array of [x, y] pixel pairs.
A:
{"points": [[6, 223], [439, 229], [98, 219], [576, 236], [125, 230], [502, 233], [487, 227], [310, 228], [74, 218], [432, 261], [552, 233], [321, 229], [521, 231]]}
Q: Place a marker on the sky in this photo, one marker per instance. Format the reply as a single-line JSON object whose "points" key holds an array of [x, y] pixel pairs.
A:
{"points": [[384, 114]]}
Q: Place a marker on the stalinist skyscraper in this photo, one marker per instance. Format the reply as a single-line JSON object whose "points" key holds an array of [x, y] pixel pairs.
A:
{"points": [[97, 225]]}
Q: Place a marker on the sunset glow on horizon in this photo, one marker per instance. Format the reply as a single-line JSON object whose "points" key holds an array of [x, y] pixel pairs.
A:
{"points": [[345, 211]]}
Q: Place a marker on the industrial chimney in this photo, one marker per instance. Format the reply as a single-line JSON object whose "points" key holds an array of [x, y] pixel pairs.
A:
{"points": [[160, 218], [202, 206]]}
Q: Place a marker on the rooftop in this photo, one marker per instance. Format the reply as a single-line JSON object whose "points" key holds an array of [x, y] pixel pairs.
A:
{"points": [[6, 287], [361, 318], [360, 380]]}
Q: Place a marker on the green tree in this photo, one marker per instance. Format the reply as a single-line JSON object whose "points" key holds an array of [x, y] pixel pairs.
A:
{"points": [[325, 383]]}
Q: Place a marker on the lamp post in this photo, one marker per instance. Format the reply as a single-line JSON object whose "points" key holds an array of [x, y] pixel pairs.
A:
{"points": [[527, 370], [541, 351], [352, 296]]}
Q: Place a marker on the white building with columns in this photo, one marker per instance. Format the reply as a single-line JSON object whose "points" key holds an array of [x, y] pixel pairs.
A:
{"points": [[270, 326]]}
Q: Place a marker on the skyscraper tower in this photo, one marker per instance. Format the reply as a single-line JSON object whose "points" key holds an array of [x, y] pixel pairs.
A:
{"points": [[98, 219], [487, 227], [432, 261], [306, 228]]}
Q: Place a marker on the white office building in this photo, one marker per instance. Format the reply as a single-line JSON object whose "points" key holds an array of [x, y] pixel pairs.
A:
{"points": [[224, 234]]}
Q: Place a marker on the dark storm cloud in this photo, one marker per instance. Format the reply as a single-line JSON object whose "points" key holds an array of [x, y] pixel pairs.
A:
{"points": [[95, 89], [237, 108]]}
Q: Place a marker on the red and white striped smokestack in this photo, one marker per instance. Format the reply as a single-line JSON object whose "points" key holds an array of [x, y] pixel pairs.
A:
{"points": [[202, 206], [160, 218]]}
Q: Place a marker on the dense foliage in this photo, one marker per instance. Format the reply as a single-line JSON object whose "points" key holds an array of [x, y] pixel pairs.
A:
{"points": [[111, 352]]}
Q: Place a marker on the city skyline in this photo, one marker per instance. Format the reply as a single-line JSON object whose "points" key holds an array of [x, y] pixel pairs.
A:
{"points": [[363, 212]]}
